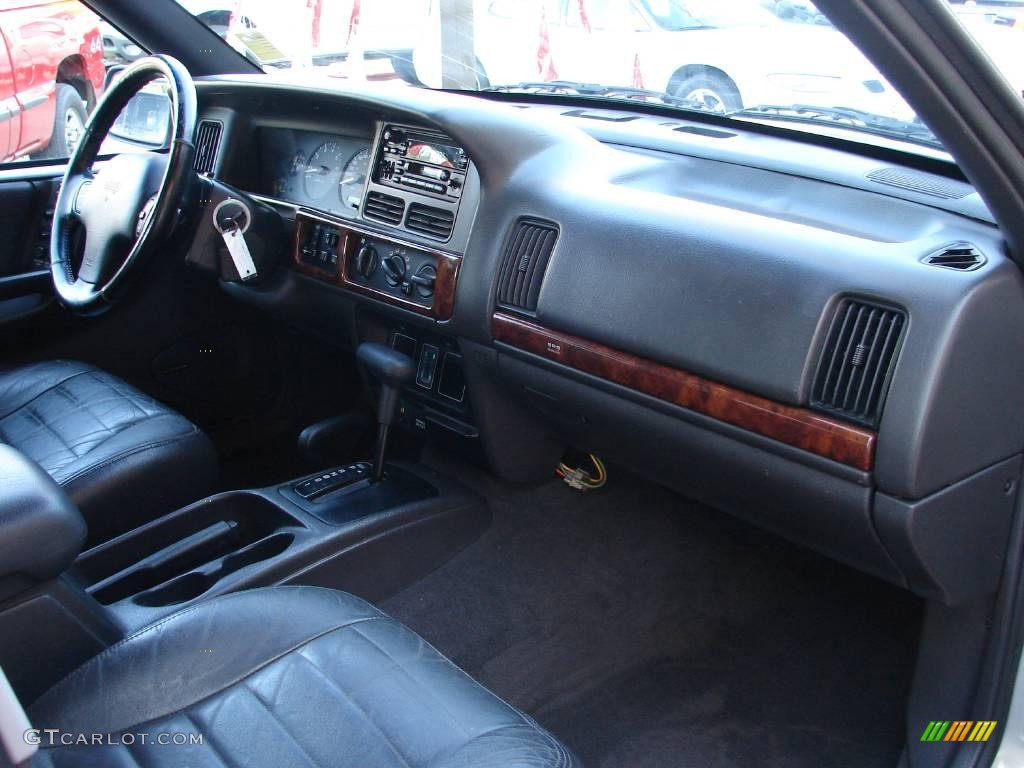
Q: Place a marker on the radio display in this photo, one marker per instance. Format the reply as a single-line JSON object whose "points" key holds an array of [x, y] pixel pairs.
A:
{"points": [[434, 153]]}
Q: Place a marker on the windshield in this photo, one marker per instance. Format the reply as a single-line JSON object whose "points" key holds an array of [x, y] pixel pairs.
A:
{"points": [[777, 61]]}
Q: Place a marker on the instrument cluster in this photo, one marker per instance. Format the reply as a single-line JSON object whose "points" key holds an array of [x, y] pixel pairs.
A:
{"points": [[321, 171]]}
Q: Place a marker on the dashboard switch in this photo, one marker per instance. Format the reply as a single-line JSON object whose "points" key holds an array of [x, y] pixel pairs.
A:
{"points": [[427, 369]]}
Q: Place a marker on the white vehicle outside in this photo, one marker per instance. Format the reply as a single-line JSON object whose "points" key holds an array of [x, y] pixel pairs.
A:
{"points": [[727, 56]]}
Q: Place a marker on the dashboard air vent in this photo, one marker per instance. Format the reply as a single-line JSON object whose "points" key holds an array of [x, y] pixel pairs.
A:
{"points": [[963, 257], [384, 208], [207, 146], [527, 252], [435, 222], [858, 360]]}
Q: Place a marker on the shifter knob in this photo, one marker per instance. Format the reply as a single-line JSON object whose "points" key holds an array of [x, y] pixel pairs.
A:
{"points": [[393, 371]]}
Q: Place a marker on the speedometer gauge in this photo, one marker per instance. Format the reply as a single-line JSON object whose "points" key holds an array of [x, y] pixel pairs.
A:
{"points": [[353, 179], [324, 169]]}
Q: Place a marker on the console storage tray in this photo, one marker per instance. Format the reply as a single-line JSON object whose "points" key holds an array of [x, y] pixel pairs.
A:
{"points": [[179, 557]]}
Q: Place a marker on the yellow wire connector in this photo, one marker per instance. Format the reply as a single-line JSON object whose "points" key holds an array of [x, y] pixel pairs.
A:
{"points": [[581, 479]]}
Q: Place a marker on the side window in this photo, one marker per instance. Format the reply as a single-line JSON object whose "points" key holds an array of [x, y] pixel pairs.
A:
{"points": [[54, 56]]}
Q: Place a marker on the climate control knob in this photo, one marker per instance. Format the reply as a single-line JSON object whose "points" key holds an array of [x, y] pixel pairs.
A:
{"points": [[424, 280], [394, 269], [367, 260]]}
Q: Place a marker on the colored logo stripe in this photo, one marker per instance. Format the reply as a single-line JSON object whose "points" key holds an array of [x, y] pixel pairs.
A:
{"points": [[959, 730], [982, 731]]}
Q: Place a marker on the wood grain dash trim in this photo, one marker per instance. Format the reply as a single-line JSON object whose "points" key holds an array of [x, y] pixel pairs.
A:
{"points": [[798, 427]]}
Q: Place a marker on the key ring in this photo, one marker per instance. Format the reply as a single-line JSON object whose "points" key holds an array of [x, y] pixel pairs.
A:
{"points": [[233, 221]]}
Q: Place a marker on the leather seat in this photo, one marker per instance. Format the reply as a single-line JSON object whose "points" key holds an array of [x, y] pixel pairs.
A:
{"points": [[121, 456], [286, 676]]}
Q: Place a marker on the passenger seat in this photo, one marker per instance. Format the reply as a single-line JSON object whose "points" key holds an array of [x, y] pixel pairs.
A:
{"points": [[287, 676]]}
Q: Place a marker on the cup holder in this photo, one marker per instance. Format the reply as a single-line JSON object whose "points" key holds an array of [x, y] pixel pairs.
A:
{"points": [[181, 556], [191, 585]]}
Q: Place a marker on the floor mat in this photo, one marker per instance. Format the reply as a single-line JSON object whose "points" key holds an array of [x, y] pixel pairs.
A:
{"points": [[646, 630]]}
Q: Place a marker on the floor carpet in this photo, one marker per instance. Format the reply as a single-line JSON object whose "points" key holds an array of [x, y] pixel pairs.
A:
{"points": [[648, 631]]}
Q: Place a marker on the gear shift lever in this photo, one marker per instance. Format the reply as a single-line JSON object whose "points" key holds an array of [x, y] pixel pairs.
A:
{"points": [[393, 371]]}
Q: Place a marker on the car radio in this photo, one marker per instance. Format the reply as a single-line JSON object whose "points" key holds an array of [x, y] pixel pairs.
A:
{"points": [[421, 161]]}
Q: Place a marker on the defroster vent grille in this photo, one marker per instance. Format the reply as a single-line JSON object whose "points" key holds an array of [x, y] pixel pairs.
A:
{"points": [[857, 361], [527, 252]]}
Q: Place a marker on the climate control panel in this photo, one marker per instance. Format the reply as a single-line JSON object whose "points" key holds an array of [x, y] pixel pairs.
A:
{"points": [[402, 271], [392, 271]]}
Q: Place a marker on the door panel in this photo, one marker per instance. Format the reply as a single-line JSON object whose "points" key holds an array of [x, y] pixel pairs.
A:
{"points": [[26, 212]]}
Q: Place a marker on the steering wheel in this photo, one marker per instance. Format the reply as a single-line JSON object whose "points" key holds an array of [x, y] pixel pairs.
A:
{"points": [[107, 222]]}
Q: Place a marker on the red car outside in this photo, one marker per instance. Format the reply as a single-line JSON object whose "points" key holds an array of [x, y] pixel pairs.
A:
{"points": [[51, 74]]}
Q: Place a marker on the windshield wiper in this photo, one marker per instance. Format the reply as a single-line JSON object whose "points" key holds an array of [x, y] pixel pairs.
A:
{"points": [[573, 88], [882, 125]]}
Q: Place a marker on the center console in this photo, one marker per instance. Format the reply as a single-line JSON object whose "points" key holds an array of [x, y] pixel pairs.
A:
{"points": [[413, 193], [371, 528], [372, 539]]}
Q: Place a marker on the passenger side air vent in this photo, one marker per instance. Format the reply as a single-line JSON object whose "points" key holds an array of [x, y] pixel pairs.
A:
{"points": [[384, 208], [527, 252], [963, 257], [435, 222], [858, 360], [207, 146]]}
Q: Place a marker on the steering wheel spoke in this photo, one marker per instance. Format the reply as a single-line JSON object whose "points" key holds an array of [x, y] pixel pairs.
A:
{"points": [[117, 215], [76, 187]]}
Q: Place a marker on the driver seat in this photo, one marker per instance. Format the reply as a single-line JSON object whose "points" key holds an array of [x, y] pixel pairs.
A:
{"points": [[121, 456]]}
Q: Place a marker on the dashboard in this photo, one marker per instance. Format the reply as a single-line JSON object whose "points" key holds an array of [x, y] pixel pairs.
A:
{"points": [[799, 334]]}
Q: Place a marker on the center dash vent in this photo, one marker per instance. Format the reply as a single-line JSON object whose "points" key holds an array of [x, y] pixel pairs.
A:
{"points": [[435, 222], [207, 146], [387, 208], [963, 257], [527, 252], [857, 361]]}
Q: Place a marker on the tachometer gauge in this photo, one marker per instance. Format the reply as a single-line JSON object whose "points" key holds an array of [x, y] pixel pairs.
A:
{"points": [[353, 179], [323, 171]]}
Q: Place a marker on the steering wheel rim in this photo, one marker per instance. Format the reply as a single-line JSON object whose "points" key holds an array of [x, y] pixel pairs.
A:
{"points": [[125, 209]]}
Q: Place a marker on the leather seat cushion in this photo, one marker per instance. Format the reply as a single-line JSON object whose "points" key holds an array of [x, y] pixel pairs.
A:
{"points": [[288, 676], [121, 456]]}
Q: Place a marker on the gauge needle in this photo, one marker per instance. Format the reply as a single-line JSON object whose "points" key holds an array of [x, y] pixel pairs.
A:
{"points": [[323, 169]]}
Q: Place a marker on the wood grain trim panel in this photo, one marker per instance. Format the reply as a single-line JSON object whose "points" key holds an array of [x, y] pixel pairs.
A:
{"points": [[443, 305], [799, 427]]}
